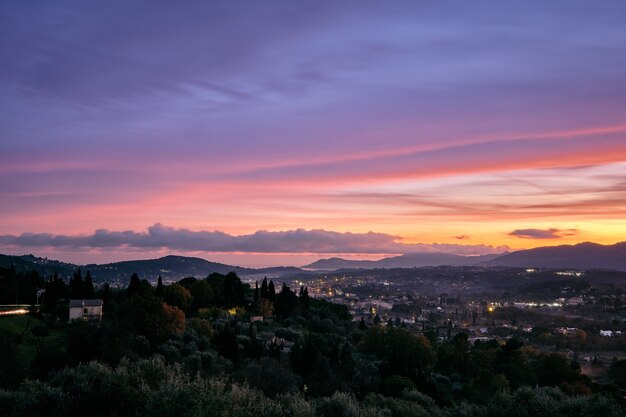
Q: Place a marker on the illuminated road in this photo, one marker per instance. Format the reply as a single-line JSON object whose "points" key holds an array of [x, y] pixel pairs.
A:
{"points": [[14, 309]]}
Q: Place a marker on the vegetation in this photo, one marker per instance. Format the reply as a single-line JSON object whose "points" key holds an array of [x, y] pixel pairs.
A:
{"points": [[190, 348]]}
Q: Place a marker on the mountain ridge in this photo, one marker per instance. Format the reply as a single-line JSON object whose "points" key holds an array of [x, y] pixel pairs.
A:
{"points": [[170, 267], [586, 255], [410, 260]]}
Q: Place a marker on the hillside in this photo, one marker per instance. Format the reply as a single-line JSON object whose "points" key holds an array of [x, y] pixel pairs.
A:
{"points": [[411, 260], [44, 266], [169, 267], [581, 256]]}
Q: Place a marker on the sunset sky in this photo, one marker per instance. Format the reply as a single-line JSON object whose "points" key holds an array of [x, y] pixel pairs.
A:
{"points": [[263, 133]]}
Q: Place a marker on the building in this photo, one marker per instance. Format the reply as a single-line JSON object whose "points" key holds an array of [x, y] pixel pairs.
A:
{"points": [[87, 310]]}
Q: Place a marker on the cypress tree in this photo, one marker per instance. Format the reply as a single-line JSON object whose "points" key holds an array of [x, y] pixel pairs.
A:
{"points": [[264, 289], [271, 291], [256, 292], [159, 288], [76, 285], [88, 291]]}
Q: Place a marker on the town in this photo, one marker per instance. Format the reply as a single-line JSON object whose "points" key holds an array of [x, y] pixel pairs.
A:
{"points": [[554, 310]]}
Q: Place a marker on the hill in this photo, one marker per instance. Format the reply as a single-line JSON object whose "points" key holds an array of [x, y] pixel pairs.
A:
{"points": [[581, 256], [44, 266], [169, 267], [411, 260]]}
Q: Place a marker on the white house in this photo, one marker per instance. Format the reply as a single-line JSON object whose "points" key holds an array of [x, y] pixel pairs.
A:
{"points": [[87, 310]]}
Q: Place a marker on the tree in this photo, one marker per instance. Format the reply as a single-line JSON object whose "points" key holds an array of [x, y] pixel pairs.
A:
{"points": [[264, 288], [159, 288], [83, 341], [395, 384], [154, 319], [9, 365], [105, 293], [217, 283], [174, 319], [134, 286], [271, 291], [304, 295], [286, 302], [266, 308], [234, 291], [271, 377], [453, 356], [555, 369], [76, 285], [202, 327], [256, 292], [226, 344], [88, 291], [8, 286], [404, 353], [362, 325], [228, 290], [56, 289], [178, 296], [202, 294], [512, 362]]}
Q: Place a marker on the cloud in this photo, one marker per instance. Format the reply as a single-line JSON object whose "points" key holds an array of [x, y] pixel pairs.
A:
{"points": [[543, 233], [263, 241]]}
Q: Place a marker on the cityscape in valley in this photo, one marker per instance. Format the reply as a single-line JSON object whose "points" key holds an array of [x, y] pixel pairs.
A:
{"points": [[313, 209], [570, 318]]}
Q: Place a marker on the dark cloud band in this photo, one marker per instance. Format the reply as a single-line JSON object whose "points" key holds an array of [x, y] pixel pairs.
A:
{"points": [[262, 241], [543, 233]]}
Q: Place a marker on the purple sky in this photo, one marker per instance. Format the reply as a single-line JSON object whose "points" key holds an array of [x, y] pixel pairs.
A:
{"points": [[419, 121]]}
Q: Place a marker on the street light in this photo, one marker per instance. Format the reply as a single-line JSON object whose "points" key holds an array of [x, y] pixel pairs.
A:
{"points": [[490, 310]]}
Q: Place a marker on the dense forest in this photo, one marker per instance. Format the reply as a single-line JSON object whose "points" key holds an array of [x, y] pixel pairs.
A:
{"points": [[216, 346]]}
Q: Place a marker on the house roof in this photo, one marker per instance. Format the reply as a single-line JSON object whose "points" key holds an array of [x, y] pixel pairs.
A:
{"points": [[85, 303]]}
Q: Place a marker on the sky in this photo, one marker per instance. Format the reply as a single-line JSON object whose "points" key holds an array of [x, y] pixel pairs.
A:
{"points": [[267, 133]]}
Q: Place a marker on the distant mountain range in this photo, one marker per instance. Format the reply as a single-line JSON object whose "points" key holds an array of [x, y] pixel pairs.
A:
{"points": [[411, 260], [581, 256]]}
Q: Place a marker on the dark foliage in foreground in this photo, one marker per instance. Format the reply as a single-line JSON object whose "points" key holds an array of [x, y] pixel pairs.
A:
{"points": [[189, 349], [153, 388]]}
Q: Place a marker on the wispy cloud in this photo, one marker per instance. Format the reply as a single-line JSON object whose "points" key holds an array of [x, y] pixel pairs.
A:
{"points": [[543, 233], [291, 241]]}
